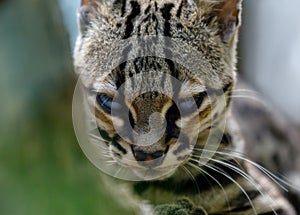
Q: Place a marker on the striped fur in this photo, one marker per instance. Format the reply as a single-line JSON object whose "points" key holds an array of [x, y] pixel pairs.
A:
{"points": [[222, 184]]}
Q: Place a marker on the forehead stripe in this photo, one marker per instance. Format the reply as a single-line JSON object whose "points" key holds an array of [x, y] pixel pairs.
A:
{"points": [[136, 10]]}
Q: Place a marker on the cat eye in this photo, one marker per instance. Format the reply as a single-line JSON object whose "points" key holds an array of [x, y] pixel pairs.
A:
{"points": [[107, 103], [199, 98], [188, 104]]}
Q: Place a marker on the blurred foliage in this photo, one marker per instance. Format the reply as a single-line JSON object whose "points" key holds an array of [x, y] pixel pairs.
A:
{"points": [[42, 169]]}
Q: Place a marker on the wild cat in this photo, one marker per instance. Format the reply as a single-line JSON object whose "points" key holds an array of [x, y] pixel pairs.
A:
{"points": [[157, 78]]}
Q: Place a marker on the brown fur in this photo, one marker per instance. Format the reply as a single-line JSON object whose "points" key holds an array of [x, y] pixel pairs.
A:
{"points": [[205, 30]]}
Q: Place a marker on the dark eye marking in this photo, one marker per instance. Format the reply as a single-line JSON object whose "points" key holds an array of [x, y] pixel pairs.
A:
{"points": [[114, 141], [172, 131], [104, 134], [199, 98], [117, 145], [226, 88]]}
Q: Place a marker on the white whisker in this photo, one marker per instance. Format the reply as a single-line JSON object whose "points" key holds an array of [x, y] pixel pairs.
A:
{"points": [[213, 178], [220, 171], [246, 176], [110, 163], [267, 172], [192, 177]]}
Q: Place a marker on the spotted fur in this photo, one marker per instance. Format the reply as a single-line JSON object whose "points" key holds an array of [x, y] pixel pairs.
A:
{"points": [[226, 183]]}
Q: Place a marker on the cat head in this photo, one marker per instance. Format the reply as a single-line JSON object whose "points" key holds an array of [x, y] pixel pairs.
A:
{"points": [[158, 77]]}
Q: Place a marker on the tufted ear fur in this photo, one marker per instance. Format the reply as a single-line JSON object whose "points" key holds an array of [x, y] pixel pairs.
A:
{"points": [[226, 15], [84, 14]]}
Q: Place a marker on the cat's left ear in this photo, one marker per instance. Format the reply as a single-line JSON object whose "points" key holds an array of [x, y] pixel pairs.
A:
{"points": [[87, 8], [227, 14]]}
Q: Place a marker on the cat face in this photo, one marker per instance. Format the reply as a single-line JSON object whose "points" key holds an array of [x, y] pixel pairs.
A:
{"points": [[154, 130], [165, 96]]}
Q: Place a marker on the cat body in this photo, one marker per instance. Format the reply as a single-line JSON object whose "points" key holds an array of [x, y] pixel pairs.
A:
{"points": [[158, 77]]}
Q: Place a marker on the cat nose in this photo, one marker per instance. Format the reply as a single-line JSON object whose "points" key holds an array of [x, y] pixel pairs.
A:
{"points": [[143, 156]]}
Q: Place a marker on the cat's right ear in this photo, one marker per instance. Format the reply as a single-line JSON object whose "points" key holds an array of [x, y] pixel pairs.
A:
{"points": [[225, 15], [87, 8]]}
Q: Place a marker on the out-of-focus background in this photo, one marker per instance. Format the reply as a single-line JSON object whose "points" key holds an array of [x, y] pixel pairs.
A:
{"points": [[270, 54], [42, 169]]}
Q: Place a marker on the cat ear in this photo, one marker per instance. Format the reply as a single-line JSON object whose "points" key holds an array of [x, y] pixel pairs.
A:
{"points": [[227, 14], [85, 11]]}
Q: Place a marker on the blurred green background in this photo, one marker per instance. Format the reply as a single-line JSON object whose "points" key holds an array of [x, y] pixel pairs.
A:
{"points": [[42, 168]]}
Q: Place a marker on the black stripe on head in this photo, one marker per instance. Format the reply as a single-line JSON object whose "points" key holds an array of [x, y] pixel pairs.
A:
{"points": [[118, 73], [147, 10], [166, 14], [136, 10], [173, 71], [121, 4], [179, 11]]}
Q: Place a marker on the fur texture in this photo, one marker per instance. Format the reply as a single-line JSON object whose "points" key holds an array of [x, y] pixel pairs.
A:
{"points": [[184, 178]]}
